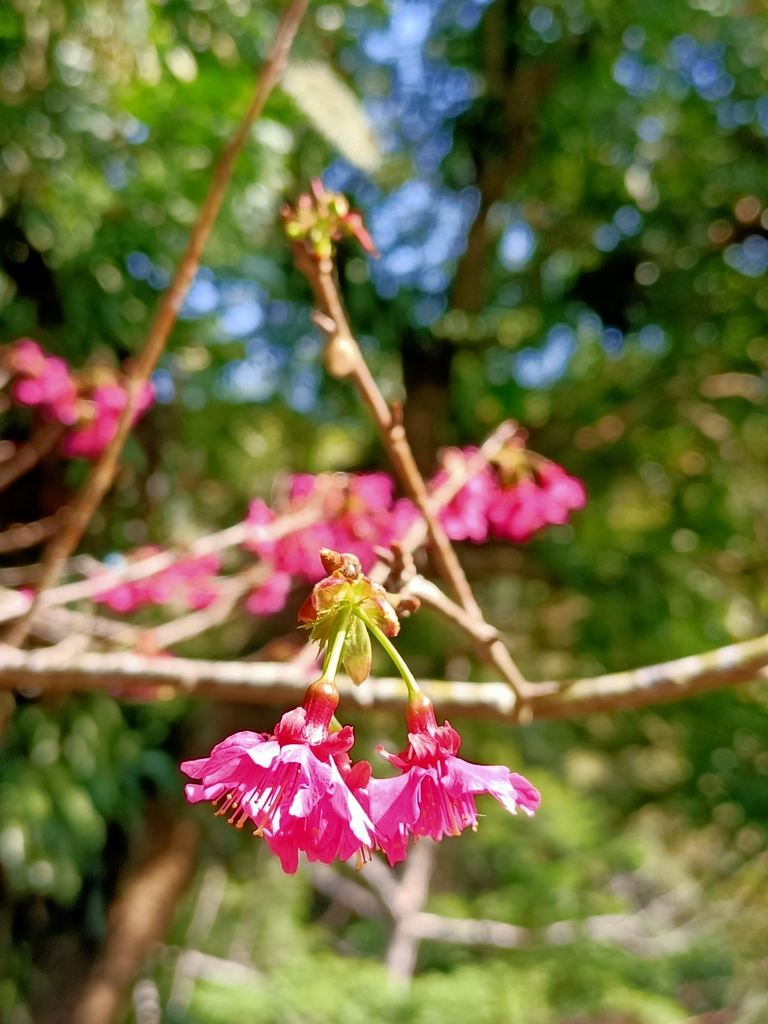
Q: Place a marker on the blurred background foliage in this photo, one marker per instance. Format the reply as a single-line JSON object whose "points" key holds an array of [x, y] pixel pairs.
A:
{"points": [[569, 199]]}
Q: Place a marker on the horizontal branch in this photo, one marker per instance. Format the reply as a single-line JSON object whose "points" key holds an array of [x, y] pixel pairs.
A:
{"points": [[469, 931], [278, 683], [648, 933], [27, 456], [27, 535], [19, 575]]}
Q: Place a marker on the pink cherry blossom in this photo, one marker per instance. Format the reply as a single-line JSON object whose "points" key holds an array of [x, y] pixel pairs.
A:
{"points": [[358, 514], [190, 581], [518, 512], [26, 357], [466, 516], [435, 794], [44, 381], [271, 596], [562, 493], [260, 514], [289, 785], [90, 439]]}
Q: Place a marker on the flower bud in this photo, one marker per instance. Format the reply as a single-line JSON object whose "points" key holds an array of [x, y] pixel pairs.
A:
{"points": [[341, 356]]}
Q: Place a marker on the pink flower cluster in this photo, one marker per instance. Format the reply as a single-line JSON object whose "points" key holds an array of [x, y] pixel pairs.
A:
{"points": [[303, 794], [98, 427], [358, 514], [189, 581], [43, 381], [541, 494], [435, 793], [89, 402], [297, 786]]}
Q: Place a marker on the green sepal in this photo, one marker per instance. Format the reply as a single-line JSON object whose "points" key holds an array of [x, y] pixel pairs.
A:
{"points": [[356, 656], [322, 628]]}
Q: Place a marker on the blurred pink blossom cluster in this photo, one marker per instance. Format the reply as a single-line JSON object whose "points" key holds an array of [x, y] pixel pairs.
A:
{"points": [[358, 513], [43, 381], [89, 402], [97, 427], [539, 493], [189, 582]]}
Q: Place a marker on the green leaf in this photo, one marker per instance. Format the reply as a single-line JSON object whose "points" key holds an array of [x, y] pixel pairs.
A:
{"points": [[357, 652], [334, 110]]}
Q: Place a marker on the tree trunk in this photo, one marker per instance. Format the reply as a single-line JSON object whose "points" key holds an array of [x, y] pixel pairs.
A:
{"points": [[139, 917]]}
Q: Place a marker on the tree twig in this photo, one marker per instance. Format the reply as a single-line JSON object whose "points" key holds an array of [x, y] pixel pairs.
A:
{"points": [[26, 535], [447, 491], [28, 455], [103, 473], [345, 359], [412, 894], [650, 932], [19, 575], [232, 589], [332, 883]]}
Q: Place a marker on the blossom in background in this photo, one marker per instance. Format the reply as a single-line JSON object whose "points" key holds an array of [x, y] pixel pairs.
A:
{"points": [[357, 514], [89, 401], [547, 497], [190, 581], [43, 381], [466, 516], [271, 596], [290, 786], [513, 502], [97, 428], [435, 794]]}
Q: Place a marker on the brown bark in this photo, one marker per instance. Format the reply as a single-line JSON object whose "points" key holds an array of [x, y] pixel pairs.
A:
{"points": [[515, 91], [140, 916]]}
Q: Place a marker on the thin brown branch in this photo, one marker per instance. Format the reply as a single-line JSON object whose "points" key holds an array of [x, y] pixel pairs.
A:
{"points": [[411, 896], [330, 882], [28, 455], [430, 595], [283, 683], [55, 624], [456, 479], [104, 471], [26, 535], [345, 359], [231, 590], [18, 576], [139, 918]]}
